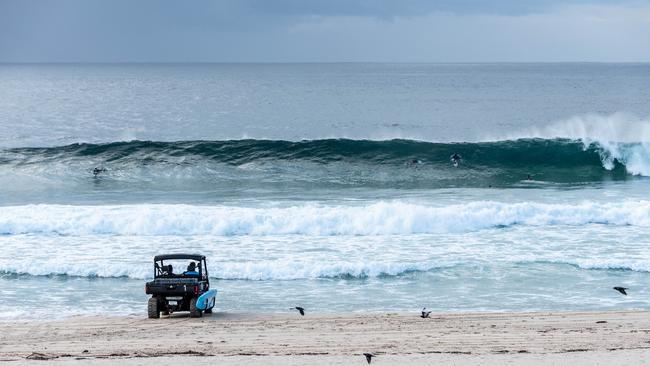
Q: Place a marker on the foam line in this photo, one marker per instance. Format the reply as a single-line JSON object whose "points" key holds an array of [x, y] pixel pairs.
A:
{"points": [[381, 218]]}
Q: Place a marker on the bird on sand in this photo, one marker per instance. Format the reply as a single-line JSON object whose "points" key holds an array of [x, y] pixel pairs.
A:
{"points": [[301, 310], [621, 289], [425, 313], [369, 357]]}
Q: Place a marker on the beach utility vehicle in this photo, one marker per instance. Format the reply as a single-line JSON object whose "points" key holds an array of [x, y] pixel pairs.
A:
{"points": [[184, 288]]}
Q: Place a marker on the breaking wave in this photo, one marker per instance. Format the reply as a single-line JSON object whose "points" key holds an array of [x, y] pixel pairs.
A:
{"points": [[293, 270], [264, 270], [572, 152], [522, 152], [618, 138], [380, 218]]}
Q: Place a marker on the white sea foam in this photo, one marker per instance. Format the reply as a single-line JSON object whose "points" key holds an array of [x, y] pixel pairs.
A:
{"points": [[254, 270], [293, 270], [381, 218], [620, 137]]}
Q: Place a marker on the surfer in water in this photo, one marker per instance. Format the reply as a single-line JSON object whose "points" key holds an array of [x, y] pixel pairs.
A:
{"points": [[96, 171], [455, 159], [413, 163]]}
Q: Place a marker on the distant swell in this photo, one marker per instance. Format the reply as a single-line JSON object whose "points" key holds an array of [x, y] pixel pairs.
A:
{"points": [[381, 218]]}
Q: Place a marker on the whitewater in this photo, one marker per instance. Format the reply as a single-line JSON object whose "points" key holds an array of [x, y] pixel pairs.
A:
{"points": [[328, 186], [382, 218]]}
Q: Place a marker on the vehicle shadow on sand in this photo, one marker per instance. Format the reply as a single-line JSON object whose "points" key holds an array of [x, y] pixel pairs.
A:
{"points": [[214, 316]]}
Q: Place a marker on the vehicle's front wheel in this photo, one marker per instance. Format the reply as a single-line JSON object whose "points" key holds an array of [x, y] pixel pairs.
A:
{"points": [[153, 309], [194, 312]]}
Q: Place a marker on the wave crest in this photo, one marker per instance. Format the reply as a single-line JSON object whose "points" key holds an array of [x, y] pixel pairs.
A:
{"points": [[381, 218], [295, 270], [619, 137]]}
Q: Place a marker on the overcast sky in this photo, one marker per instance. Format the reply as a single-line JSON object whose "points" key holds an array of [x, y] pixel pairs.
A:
{"points": [[323, 30]]}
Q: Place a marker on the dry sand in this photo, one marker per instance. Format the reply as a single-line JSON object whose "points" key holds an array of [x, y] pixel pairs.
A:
{"points": [[589, 338]]}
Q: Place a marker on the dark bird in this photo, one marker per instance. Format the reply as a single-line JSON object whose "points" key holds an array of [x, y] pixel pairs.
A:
{"points": [[369, 356], [425, 313], [301, 310], [621, 289]]}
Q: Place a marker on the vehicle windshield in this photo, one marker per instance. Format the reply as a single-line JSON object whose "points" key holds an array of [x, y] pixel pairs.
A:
{"points": [[178, 268]]}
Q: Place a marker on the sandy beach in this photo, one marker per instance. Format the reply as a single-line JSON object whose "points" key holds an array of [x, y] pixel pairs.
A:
{"points": [[578, 338]]}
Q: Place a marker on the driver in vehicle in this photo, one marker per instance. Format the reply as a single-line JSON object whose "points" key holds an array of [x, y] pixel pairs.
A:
{"points": [[191, 270]]}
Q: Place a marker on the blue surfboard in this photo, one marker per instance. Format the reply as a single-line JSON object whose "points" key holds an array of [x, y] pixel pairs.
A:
{"points": [[207, 300]]}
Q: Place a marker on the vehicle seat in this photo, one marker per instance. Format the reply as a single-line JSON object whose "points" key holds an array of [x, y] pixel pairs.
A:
{"points": [[168, 270]]}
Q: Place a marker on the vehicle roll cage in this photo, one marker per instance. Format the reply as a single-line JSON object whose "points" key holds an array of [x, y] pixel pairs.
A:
{"points": [[166, 271]]}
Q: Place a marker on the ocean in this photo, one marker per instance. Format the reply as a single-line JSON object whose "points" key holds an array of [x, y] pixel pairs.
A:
{"points": [[326, 186]]}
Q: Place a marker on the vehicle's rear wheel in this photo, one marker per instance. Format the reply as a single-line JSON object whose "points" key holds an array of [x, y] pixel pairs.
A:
{"points": [[194, 312], [152, 308]]}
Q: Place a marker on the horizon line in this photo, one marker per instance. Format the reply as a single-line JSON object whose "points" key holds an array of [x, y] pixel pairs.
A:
{"points": [[307, 62]]}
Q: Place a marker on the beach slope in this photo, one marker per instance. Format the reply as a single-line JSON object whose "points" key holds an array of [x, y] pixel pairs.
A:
{"points": [[578, 338]]}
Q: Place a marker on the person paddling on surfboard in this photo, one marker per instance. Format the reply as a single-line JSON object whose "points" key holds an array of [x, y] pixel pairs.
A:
{"points": [[455, 159], [96, 171], [413, 163]]}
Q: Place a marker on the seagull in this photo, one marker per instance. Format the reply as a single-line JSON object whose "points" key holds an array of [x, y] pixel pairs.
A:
{"points": [[369, 357], [301, 310], [425, 313], [621, 289]]}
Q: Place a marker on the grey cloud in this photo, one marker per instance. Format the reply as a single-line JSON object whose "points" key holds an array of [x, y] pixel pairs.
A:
{"points": [[396, 8], [279, 30]]}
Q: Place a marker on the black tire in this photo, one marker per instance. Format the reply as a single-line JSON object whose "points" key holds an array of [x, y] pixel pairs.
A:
{"points": [[153, 309], [194, 312]]}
